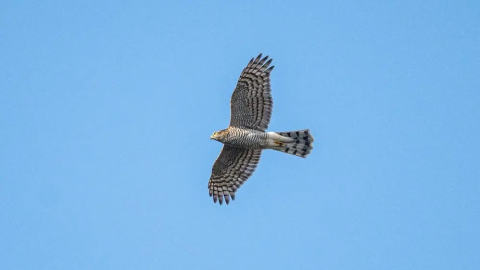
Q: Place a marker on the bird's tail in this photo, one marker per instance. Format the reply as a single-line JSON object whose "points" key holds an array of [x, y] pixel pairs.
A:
{"points": [[298, 143]]}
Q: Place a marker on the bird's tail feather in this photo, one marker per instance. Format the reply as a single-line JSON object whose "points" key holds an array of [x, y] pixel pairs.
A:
{"points": [[298, 143]]}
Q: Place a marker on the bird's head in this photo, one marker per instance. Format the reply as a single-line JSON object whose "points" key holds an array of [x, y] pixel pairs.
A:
{"points": [[219, 135]]}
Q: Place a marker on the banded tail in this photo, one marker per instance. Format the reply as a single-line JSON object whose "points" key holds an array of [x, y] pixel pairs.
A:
{"points": [[298, 143]]}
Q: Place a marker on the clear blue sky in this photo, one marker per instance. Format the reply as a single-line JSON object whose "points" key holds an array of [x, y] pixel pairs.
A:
{"points": [[107, 108]]}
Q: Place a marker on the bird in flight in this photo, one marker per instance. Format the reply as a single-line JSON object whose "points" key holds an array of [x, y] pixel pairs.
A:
{"points": [[246, 136]]}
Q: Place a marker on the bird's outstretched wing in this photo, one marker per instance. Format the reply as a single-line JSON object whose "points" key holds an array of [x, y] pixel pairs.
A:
{"points": [[231, 169], [251, 103]]}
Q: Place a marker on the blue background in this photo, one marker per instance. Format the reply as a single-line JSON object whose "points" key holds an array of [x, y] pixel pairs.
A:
{"points": [[107, 108]]}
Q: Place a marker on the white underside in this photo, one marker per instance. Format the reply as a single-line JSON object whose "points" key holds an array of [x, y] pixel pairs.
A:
{"points": [[272, 137]]}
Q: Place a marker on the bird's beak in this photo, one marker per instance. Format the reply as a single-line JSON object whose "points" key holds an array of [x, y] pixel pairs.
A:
{"points": [[211, 137]]}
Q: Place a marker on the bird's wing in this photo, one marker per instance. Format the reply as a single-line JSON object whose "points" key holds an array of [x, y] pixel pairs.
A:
{"points": [[251, 103], [231, 169]]}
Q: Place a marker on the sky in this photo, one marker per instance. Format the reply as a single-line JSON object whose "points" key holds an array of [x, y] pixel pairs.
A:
{"points": [[107, 109]]}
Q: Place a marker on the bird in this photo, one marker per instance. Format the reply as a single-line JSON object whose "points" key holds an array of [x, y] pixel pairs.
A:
{"points": [[246, 136]]}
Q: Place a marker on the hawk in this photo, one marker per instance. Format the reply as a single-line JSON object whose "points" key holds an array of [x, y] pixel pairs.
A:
{"points": [[246, 136]]}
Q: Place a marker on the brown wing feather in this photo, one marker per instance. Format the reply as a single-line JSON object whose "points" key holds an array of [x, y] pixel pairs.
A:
{"points": [[251, 103], [231, 169]]}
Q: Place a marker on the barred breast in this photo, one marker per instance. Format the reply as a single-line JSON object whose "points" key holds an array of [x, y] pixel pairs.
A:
{"points": [[246, 138]]}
